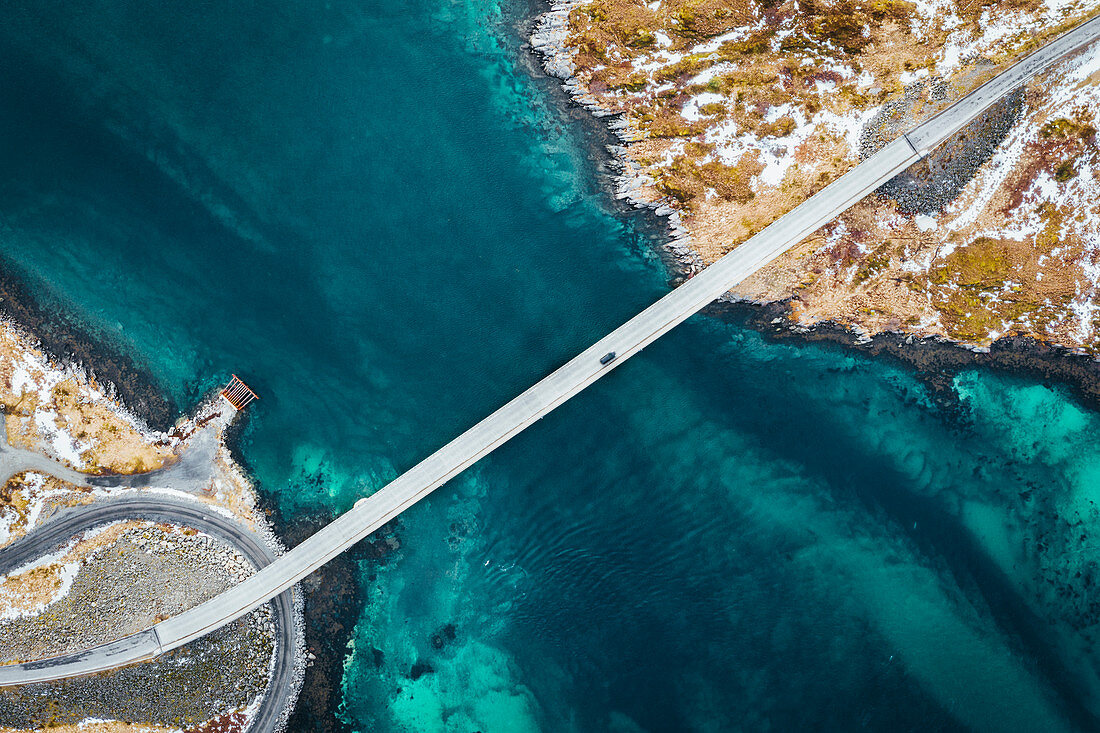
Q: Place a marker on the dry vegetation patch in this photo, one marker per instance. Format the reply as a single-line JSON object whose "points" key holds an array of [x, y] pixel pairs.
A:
{"points": [[739, 111], [68, 416]]}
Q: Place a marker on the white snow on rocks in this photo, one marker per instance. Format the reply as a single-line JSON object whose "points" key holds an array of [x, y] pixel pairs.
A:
{"points": [[64, 445]]}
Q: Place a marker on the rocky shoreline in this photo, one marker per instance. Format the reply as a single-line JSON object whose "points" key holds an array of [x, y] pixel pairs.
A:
{"points": [[68, 342], [934, 360], [548, 40], [331, 600]]}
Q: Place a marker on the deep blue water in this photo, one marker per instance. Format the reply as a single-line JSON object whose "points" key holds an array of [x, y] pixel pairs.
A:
{"points": [[381, 218]]}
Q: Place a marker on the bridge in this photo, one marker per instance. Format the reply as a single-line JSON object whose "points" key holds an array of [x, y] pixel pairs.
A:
{"points": [[372, 512]]}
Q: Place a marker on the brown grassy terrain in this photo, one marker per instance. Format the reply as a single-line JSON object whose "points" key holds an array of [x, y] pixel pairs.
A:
{"points": [[46, 407], [231, 723], [1016, 254], [741, 110]]}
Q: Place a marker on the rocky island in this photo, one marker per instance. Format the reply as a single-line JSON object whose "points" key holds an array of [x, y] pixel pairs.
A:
{"points": [[732, 113]]}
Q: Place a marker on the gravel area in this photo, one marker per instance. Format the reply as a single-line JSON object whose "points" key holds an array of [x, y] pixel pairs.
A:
{"points": [[149, 572], [147, 575], [931, 184], [182, 689]]}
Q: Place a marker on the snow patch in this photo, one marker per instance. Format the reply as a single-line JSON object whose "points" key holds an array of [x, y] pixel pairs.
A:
{"points": [[924, 222], [691, 107], [64, 446], [908, 77]]}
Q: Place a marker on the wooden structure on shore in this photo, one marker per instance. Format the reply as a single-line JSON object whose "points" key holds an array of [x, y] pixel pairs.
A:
{"points": [[238, 394]]}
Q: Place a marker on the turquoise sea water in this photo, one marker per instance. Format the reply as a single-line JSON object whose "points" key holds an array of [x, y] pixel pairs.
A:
{"points": [[378, 215]]}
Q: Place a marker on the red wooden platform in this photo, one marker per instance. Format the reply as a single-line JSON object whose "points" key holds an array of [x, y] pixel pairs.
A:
{"points": [[238, 394]]}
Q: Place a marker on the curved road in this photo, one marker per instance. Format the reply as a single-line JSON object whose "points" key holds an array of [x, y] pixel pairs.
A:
{"points": [[371, 513], [70, 522]]}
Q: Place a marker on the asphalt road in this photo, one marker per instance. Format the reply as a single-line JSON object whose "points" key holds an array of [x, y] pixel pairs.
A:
{"points": [[70, 522], [371, 513]]}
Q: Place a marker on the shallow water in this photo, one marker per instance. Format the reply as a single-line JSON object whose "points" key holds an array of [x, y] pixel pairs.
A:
{"points": [[381, 220]]}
